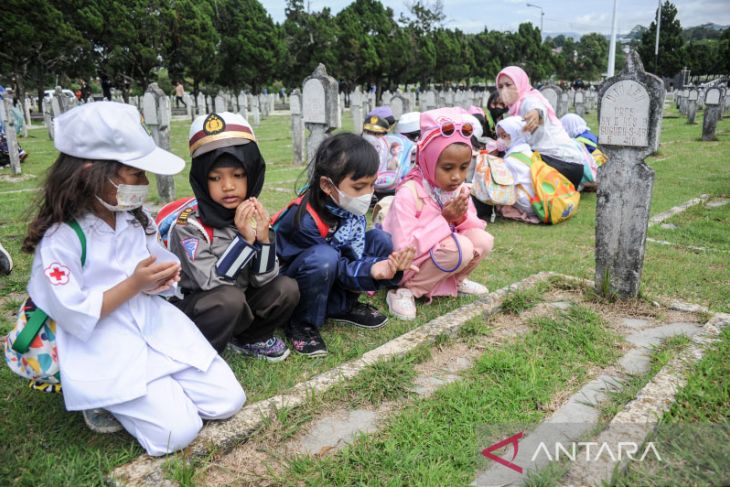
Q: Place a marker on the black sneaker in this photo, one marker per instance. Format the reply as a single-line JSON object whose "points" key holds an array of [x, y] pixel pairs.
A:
{"points": [[306, 341], [364, 316]]}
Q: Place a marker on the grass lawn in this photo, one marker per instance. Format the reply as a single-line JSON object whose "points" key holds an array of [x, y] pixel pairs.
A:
{"points": [[43, 445]]}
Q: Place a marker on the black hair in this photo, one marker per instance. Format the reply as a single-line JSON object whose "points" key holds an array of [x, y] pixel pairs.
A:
{"points": [[492, 98], [338, 157]]}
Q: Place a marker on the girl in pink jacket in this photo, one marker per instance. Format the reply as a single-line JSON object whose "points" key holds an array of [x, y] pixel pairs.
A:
{"points": [[433, 212]]}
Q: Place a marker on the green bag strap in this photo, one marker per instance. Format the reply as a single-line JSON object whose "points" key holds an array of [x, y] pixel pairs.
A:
{"points": [[37, 317], [586, 141], [521, 157], [82, 238]]}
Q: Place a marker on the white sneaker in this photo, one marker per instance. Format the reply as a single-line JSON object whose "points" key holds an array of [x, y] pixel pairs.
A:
{"points": [[470, 287], [401, 303]]}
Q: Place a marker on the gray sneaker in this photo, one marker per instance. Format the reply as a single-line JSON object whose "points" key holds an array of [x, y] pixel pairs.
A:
{"points": [[101, 421]]}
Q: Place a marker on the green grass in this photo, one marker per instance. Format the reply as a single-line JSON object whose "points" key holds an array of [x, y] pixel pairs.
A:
{"points": [[432, 441], [698, 226], [693, 436], [521, 250]]}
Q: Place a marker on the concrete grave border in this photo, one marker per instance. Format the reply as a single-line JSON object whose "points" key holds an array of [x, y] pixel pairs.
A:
{"points": [[222, 436]]}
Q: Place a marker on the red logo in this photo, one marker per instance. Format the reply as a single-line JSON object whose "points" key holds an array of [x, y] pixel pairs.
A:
{"points": [[57, 273], [514, 441]]}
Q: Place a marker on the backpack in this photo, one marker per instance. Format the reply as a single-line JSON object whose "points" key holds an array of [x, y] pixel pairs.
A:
{"points": [[493, 182], [324, 229], [30, 348], [598, 155], [556, 199], [176, 212], [395, 154]]}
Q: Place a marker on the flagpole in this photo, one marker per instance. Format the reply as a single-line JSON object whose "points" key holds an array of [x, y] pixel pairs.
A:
{"points": [[656, 44], [612, 45]]}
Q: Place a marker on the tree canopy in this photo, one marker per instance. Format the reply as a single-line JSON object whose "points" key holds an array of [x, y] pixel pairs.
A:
{"points": [[235, 44]]}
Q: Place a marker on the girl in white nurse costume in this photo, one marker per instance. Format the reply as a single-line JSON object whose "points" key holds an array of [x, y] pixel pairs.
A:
{"points": [[121, 346]]}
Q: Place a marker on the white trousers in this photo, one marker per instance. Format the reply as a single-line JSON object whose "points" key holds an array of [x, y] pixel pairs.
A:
{"points": [[170, 415]]}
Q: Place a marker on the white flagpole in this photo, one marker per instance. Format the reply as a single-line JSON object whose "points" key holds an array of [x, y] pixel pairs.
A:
{"points": [[658, 27], [612, 45]]}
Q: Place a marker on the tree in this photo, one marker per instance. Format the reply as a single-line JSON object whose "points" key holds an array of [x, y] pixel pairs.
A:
{"points": [[592, 59], [531, 54], [39, 40], [251, 44], [724, 52], [365, 27], [670, 60], [193, 43], [310, 39]]}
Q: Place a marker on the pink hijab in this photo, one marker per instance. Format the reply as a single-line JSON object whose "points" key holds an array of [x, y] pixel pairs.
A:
{"points": [[524, 89], [432, 143]]}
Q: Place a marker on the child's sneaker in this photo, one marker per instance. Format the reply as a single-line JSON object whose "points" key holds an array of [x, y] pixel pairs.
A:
{"points": [[401, 303], [101, 421], [273, 349], [307, 341], [364, 316], [470, 287]]}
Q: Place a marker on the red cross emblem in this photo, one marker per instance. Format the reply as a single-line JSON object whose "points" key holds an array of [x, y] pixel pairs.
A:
{"points": [[57, 273]]}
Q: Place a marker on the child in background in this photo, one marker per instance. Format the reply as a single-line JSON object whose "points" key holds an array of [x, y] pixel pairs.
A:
{"points": [[578, 129], [121, 347], [512, 140], [230, 281], [433, 212], [322, 242]]}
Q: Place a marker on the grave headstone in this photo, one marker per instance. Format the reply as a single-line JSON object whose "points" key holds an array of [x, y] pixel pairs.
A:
{"points": [[580, 108], [219, 104], [27, 103], [11, 137], [253, 102], [297, 128], [428, 100], [692, 106], [563, 105], [189, 106], [319, 107], [630, 107], [156, 111], [356, 110], [712, 113], [200, 99], [552, 95], [399, 105]]}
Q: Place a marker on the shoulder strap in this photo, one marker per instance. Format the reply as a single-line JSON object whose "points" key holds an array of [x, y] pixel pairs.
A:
{"points": [[82, 238], [586, 141], [323, 228], [521, 157], [37, 317]]}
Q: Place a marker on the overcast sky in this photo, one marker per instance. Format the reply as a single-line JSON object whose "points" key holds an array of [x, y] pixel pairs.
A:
{"points": [[581, 16]]}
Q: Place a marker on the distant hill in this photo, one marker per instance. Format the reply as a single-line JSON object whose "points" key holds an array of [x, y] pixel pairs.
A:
{"points": [[704, 31]]}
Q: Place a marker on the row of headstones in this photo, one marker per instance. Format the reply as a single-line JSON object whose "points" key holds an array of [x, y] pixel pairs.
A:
{"points": [[581, 101], [716, 103]]}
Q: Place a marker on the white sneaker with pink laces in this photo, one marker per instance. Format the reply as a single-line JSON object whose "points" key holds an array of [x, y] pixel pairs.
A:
{"points": [[470, 287], [402, 304]]}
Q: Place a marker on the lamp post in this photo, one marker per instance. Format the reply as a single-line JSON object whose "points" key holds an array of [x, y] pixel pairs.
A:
{"points": [[542, 14]]}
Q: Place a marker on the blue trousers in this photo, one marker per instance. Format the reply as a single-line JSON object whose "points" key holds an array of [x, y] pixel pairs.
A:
{"points": [[315, 270]]}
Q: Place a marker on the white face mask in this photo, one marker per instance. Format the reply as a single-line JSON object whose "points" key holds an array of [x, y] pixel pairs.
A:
{"points": [[129, 197], [502, 145], [357, 206]]}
